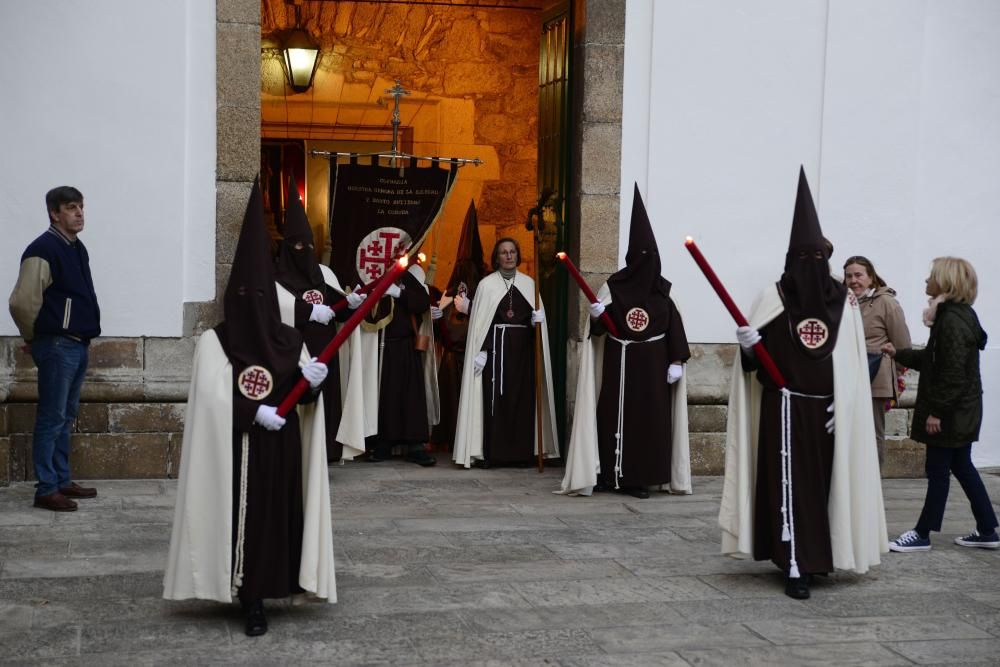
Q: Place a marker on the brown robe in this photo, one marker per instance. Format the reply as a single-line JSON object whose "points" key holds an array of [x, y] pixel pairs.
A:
{"points": [[509, 417], [451, 331], [402, 405], [812, 454], [646, 408]]}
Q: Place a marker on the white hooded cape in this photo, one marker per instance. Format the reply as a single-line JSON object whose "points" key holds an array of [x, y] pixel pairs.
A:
{"points": [[582, 460], [855, 509], [199, 564], [469, 427]]}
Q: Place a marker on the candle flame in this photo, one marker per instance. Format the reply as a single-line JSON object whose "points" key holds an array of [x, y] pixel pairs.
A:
{"points": [[561, 255], [404, 261], [421, 258], [688, 240]]}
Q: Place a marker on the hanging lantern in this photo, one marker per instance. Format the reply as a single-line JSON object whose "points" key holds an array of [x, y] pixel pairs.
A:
{"points": [[301, 56]]}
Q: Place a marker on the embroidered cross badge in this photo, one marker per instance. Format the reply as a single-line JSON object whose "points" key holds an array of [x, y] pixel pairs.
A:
{"points": [[637, 319], [255, 382], [812, 332]]}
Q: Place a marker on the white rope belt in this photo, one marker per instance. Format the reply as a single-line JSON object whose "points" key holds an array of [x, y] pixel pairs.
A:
{"points": [[787, 511], [493, 360], [620, 427], [242, 520]]}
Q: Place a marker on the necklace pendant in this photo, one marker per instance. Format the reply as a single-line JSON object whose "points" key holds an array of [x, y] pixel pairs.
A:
{"points": [[509, 314]]}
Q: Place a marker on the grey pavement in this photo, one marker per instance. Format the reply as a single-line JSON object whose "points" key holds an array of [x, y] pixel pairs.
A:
{"points": [[444, 566]]}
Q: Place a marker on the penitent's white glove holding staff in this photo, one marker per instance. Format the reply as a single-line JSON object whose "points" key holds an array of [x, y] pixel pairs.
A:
{"points": [[831, 422], [538, 316], [394, 291], [436, 313], [315, 372], [748, 337], [267, 416], [596, 309], [674, 373], [321, 313]]}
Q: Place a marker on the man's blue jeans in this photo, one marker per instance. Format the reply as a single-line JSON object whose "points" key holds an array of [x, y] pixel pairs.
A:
{"points": [[62, 363]]}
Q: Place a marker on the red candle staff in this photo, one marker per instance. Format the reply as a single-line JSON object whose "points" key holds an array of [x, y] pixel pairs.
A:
{"points": [[340, 305], [587, 292], [727, 301], [381, 285]]}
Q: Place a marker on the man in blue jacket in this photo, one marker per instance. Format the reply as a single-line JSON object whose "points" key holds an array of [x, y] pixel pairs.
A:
{"points": [[55, 309]]}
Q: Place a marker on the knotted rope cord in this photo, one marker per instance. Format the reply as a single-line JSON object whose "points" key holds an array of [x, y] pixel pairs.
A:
{"points": [[241, 521], [787, 496], [493, 360], [620, 427]]}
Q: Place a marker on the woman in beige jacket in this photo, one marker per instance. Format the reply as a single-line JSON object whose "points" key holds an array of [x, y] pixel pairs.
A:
{"points": [[884, 323]]}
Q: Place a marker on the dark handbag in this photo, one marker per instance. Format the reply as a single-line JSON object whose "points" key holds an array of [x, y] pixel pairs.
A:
{"points": [[874, 363]]}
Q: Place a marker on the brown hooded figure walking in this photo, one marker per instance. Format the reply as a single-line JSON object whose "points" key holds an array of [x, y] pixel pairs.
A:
{"points": [[253, 508], [451, 319], [815, 501], [630, 429]]}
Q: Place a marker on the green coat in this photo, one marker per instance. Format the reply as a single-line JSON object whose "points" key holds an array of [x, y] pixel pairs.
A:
{"points": [[950, 385]]}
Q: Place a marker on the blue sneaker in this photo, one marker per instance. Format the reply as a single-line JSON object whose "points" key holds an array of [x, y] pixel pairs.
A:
{"points": [[991, 541], [910, 541]]}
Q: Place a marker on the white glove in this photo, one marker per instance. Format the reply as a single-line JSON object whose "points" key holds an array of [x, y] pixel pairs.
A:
{"points": [[596, 309], [320, 313], [462, 304], [355, 299], [830, 422], [267, 416], [436, 313], [315, 372], [394, 291], [538, 316], [674, 373], [479, 362], [748, 337]]}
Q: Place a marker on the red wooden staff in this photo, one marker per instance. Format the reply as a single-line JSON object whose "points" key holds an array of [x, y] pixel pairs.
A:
{"points": [[587, 292], [381, 285], [727, 301]]}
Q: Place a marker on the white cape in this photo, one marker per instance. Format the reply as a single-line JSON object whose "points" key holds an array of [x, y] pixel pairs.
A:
{"points": [[582, 460], [199, 564], [855, 509], [469, 428]]}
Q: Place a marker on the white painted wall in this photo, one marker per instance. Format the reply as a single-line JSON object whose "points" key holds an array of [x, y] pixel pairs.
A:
{"points": [[892, 108], [117, 98]]}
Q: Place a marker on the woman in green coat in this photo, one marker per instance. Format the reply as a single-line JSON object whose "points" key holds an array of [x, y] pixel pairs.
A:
{"points": [[949, 407]]}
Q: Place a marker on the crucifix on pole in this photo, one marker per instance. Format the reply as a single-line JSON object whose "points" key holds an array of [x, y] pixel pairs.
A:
{"points": [[396, 91]]}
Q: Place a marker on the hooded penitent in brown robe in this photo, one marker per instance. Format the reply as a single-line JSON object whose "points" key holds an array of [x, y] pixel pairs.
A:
{"points": [[635, 401], [453, 327], [801, 341], [298, 271]]}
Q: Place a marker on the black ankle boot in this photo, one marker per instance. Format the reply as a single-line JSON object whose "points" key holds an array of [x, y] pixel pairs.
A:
{"points": [[798, 587], [256, 621]]}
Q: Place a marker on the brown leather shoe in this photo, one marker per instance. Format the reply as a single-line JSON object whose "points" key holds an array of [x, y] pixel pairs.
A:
{"points": [[56, 502], [74, 490]]}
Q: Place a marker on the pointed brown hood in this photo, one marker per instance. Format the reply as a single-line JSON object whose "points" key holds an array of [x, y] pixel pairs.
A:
{"points": [[252, 333], [807, 289], [469, 265], [639, 285]]}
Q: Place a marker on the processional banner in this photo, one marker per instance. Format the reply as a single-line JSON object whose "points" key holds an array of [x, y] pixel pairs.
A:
{"points": [[379, 213]]}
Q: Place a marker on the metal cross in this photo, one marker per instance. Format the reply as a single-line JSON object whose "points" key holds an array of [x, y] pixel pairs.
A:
{"points": [[396, 91]]}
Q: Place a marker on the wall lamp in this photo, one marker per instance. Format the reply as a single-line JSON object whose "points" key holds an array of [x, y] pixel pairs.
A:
{"points": [[301, 57]]}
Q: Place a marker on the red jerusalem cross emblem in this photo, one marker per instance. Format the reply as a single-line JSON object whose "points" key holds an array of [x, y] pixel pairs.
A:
{"points": [[379, 250], [812, 332], [637, 319], [255, 382], [313, 296]]}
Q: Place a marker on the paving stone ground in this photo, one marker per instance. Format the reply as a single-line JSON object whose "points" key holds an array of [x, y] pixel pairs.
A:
{"points": [[443, 566]]}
